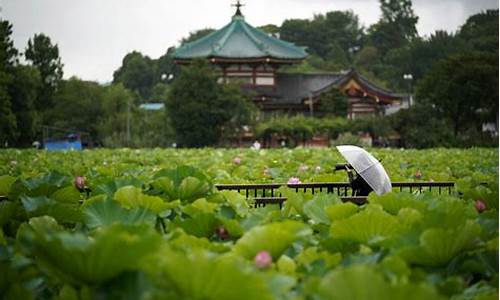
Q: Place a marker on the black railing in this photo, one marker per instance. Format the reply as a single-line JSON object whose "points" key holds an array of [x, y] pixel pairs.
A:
{"points": [[268, 193]]}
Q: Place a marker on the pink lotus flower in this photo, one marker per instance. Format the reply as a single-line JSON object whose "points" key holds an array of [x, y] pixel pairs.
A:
{"points": [[263, 260], [79, 183], [480, 206], [294, 180], [237, 160]]}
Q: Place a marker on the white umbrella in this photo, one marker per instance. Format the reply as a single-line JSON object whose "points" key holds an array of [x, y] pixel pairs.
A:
{"points": [[369, 168]]}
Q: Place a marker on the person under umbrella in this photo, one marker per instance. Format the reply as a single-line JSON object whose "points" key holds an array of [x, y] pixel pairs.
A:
{"points": [[370, 174]]}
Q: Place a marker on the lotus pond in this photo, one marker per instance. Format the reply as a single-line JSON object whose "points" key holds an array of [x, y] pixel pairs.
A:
{"points": [[149, 224]]}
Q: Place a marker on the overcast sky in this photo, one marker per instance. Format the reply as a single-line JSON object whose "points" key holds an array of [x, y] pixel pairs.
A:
{"points": [[94, 35]]}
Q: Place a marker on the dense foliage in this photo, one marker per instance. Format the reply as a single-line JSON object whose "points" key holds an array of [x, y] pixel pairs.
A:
{"points": [[200, 108], [143, 225]]}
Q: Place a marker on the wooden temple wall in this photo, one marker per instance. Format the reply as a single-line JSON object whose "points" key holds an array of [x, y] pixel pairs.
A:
{"points": [[361, 107]]}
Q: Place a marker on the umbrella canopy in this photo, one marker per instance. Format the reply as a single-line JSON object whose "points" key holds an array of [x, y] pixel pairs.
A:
{"points": [[369, 168]]}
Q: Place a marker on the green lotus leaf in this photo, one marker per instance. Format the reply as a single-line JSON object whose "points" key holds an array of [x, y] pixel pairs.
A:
{"points": [[286, 265], [199, 274], [67, 194], [106, 212], [7, 212], [111, 185], [62, 212], [370, 225], [280, 285], [262, 215], [341, 211], [186, 242], [32, 204], [131, 197], [393, 202], [311, 255], [192, 188], [479, 291], [438, 246], [79, 259], [315, 209], [178, 174], [38, 186], [6, 182], [294, 201], [396, 269], [447, 212], [232, 226], [166, 185], [237, 202], [200, 224], [362, 282], [204, 206], [274, 237]]}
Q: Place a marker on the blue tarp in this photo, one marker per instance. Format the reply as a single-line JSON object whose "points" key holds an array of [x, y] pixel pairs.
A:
{"points": [[63, 145], [71, 142]]}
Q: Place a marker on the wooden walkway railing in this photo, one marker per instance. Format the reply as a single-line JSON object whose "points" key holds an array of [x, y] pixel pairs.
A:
{"points": [[267, 193]]}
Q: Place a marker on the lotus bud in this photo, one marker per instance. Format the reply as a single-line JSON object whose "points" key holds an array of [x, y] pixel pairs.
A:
{"points": [[263, 260], [79, 183], [480, 206], [237, 160], [418, 174], [222, 233], [294, 180], [317, 169]]}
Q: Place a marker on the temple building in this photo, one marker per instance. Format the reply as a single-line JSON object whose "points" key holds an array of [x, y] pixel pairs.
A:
{"points": [[244, 53]]}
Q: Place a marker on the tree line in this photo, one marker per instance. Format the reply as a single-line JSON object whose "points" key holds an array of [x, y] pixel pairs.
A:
{"points": [[454, 80]]}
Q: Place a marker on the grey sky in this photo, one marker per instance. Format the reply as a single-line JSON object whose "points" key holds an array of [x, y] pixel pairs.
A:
{"points": [[94, 35]]}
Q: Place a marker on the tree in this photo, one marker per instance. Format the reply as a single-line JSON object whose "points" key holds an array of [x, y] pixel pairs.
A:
{"points": [[8, 124], [77, 107], [481, 31], [464, 90], [8, 58], [421, 126], [271, 29], [199, 108], [165, 67], [396, 27], [44, 56], [333, 103], [334, 35], [116, 106], [24, 89], [137, 73]]}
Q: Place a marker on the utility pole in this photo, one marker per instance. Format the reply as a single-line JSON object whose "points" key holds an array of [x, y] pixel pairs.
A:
{"points": [[409, 78]]}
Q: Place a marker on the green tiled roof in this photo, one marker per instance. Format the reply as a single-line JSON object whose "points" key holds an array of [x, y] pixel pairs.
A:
{"points": [[239, 40]]}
